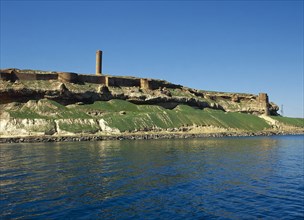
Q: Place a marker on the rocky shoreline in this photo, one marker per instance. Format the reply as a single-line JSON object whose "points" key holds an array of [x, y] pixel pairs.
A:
{"points": [[139, 136]]}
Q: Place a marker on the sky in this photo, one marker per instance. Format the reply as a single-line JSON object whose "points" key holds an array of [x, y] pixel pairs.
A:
{"points": [[247, 46]]}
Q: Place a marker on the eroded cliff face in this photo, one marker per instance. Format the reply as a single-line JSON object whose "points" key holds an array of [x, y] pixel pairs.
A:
{"points": [[55, 103], [46, 117], [69, 93], [11, 126]]}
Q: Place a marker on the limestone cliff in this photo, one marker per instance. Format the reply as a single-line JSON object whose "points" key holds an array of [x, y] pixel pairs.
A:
{"points": [[53, 103], [69, 88]]}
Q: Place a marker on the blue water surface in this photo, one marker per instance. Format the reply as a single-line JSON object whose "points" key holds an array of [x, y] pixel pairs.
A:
{"points": [[224, 178]]}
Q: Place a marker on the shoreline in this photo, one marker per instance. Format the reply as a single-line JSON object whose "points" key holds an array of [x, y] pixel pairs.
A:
{"points": [[138, 136]]}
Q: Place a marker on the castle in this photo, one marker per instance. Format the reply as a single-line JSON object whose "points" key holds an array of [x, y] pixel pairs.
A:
{"points": [[98, 78], [109, 81]]}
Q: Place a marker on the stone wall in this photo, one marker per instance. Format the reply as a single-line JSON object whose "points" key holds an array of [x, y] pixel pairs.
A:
{"points": [[92, 79], [115, 81], [229, 101], [122, 82], [50, 76], [68, 77], [155, 84], [5, 76], [263, 98], [27, 76], [144, 84], [263, 101]]}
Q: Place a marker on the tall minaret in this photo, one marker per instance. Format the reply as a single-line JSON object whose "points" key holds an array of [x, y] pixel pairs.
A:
{"points": [[98, 62]]}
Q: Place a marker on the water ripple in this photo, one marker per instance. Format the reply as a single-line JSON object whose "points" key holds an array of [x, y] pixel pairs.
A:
{"points": [[227, 178]]}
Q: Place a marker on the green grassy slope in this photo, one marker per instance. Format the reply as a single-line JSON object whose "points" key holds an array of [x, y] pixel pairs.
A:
{"points": [[46, 109], [139, 116], [149, 116], [126, 116], [297, 122]]}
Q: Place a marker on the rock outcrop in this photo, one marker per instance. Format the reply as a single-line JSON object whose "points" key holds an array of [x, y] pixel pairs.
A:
{"points": [[40, 103], [25, 85]]}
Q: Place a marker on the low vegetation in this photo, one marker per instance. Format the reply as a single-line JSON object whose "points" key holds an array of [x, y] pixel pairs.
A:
{"points": [[125, 116], [297, 122]]}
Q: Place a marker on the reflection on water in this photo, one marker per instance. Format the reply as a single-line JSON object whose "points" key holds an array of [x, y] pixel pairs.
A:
{"points": [[259, 177]]}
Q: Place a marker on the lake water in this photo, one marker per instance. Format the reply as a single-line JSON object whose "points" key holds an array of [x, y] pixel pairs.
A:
{"points": [[224, 178]]}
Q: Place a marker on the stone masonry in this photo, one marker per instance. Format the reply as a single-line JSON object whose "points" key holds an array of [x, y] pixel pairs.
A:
{"points": [[98, 62], [264, 102]]}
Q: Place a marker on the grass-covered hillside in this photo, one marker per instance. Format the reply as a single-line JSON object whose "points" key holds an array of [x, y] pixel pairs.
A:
{"points": [[124, 116], [297, 122], [37, 103], [149, 116], [49, 117]]}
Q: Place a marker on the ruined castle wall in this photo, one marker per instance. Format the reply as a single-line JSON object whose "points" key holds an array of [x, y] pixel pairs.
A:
{"points": [[51, 76], [24, 76], [6, 76], [122, 82], [92, 79], [263, 102], [144, 84], [263, 98], [155, 84], [13, 76], [68, 77]]}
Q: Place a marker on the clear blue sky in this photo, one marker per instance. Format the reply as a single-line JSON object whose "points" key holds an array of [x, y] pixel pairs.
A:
{"points": [[233, 46]]}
